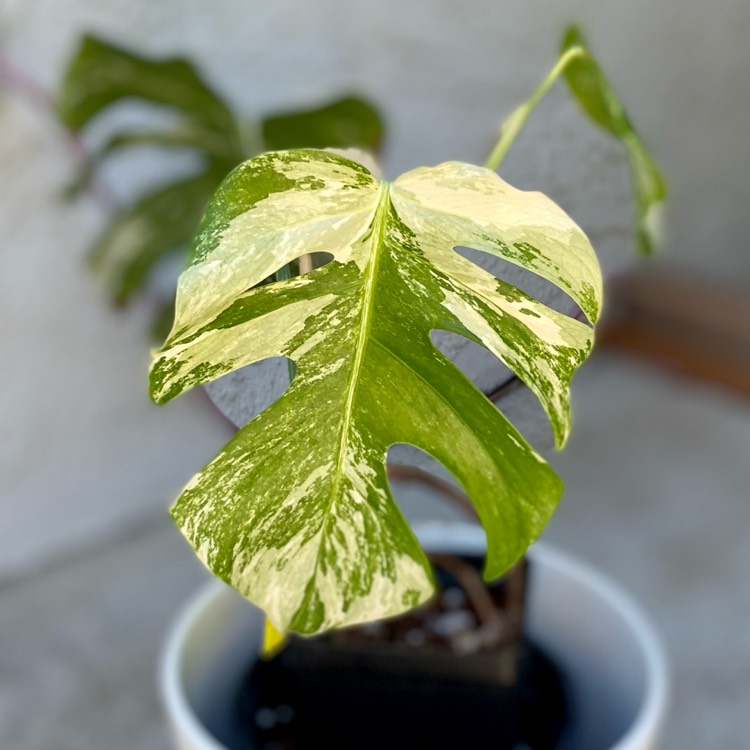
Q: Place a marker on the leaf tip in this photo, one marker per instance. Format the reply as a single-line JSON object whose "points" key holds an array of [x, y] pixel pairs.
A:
{"points": [[572, 37]]}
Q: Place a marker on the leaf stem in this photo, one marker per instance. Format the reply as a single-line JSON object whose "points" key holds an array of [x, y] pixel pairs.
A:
{"points": [[514, 123]]}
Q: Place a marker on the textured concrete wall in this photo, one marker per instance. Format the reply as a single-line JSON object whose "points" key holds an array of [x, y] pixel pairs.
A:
{"points": [[83, 453]]}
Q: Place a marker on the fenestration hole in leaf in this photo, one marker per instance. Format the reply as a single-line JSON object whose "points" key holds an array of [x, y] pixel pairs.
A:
{"points": [[499, 384], [480, 365], [320, 259], [535, 286], [423, 488], [243, 394], [300, 266]]}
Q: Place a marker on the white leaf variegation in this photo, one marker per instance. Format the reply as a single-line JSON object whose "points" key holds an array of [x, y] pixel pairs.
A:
{"points": [[295, 512]]}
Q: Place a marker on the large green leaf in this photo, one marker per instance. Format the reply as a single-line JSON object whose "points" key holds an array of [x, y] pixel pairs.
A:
{"points": [[295, 511], [101, 73], [161, 221], [350, 121], [593, 91]]}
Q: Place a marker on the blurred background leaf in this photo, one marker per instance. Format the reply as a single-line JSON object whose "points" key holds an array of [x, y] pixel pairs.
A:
{"points": [[594, 93], [163, 220], [101, 73], [350, 121]]}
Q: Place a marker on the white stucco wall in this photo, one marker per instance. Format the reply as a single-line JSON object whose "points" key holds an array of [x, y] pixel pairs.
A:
{"points": [[83, 452]]}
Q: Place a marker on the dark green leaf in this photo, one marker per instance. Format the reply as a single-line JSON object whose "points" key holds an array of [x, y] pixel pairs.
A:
{"points": [[101, 73], [346, 122]]}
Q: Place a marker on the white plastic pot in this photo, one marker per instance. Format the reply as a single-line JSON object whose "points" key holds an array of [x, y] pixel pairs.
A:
{"points": [[611, 658]]}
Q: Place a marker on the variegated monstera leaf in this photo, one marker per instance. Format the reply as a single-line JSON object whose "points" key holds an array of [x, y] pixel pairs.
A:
{"points": [[295, 512]]}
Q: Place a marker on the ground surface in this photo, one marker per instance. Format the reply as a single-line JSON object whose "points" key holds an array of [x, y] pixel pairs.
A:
{"points": [[657, 476]]}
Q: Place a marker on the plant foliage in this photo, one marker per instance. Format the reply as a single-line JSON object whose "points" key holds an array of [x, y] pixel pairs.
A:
{"points": [[164, 219], [295, 512], [593, 91]]}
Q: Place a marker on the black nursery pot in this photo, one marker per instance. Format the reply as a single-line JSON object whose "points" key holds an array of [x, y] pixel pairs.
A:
{"points": [[584, 671]]}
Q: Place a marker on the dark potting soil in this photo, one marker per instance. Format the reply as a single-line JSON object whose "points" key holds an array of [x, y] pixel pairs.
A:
{"points": [[453, 674]]}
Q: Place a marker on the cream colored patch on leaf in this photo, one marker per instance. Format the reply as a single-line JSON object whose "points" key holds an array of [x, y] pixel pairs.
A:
{"points": [[455, 199], [385, 598], [256, 576], [231, 348]]}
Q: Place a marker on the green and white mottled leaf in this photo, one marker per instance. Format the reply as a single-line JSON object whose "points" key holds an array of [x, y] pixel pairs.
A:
{"points": [[346, 122], [100, 74], [160, 222], [593, 91], [295, 512]]}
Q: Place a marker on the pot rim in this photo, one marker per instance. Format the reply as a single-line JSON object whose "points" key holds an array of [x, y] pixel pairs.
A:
{"points": [[655, 699], [170, 673], [464, 538]]}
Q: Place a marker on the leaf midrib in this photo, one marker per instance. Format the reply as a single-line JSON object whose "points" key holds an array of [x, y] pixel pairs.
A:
{"points": [[377, 240], [376, 243]]}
